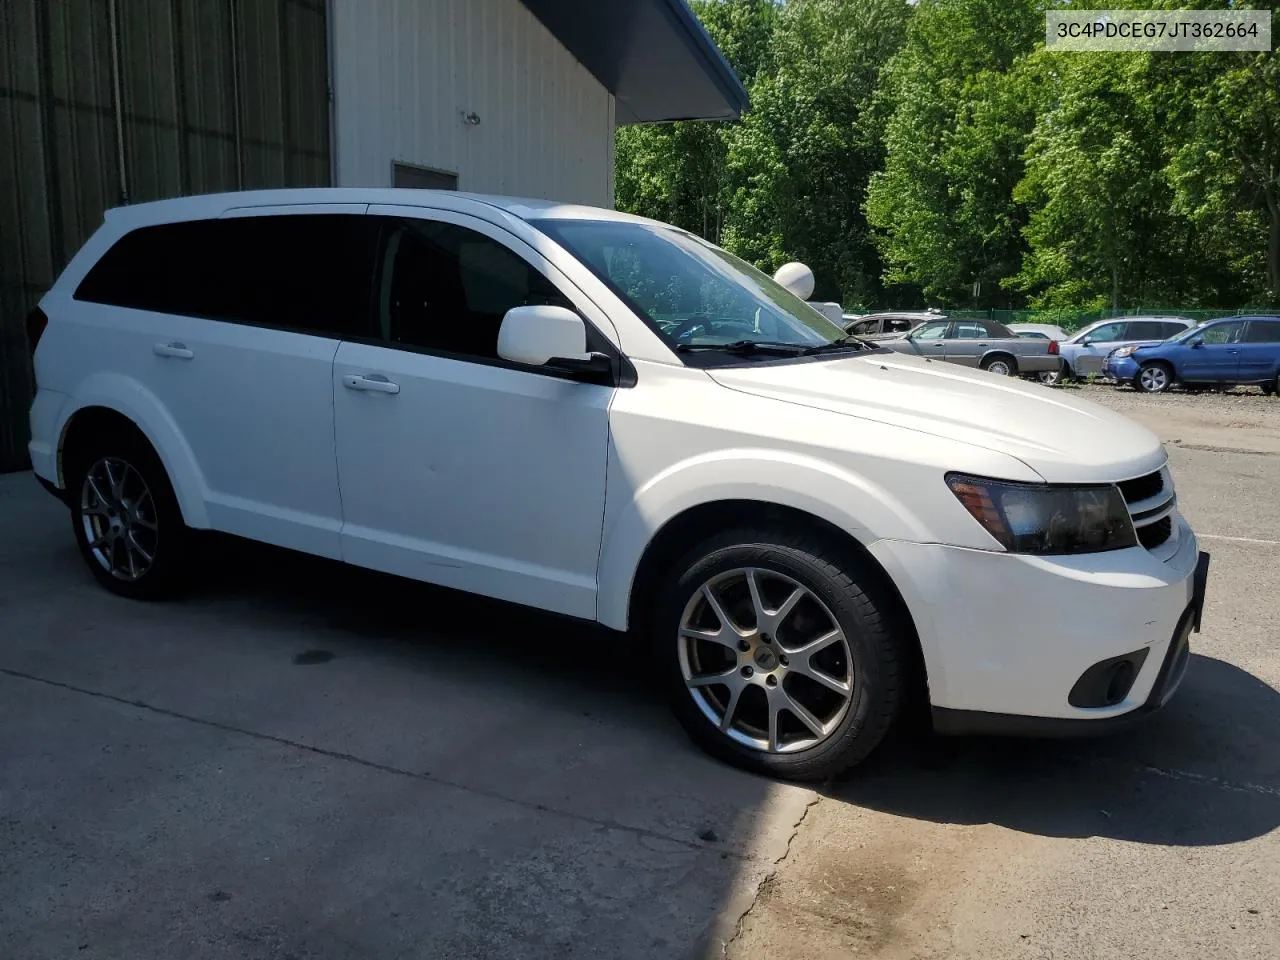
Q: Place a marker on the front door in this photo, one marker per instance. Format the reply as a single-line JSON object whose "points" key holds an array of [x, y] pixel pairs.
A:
{"points": [[1217, 359], [1090, 356], [929, 339], [456, 467]]}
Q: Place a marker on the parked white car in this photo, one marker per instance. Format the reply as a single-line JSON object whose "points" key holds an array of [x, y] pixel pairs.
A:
{"points": [[797, 529], [1085, 352], [1040, 331]]}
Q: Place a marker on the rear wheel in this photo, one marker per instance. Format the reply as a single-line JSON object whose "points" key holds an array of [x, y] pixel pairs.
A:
{"points": [[1000, 364], [780, 654], [1272, 388], [1054, 377], [1153, 378], [125, 516]]}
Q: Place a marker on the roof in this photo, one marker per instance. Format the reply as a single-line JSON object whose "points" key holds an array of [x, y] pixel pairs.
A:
{"points": [[653, 56], [215, 204]]}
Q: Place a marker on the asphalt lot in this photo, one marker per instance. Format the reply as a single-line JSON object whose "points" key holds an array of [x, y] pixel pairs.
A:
{"points": [[305, 761]]}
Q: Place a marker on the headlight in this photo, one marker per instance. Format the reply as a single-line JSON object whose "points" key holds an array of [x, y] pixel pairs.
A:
{"points": [[1123, 352], [1044, 519]]}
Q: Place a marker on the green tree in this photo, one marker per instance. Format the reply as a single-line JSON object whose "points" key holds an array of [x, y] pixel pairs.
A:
{"points": [[960, 107], [800, 161]]}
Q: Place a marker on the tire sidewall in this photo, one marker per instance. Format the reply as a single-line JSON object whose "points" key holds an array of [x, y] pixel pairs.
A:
{"points": [[166, 574], [872, 697]]}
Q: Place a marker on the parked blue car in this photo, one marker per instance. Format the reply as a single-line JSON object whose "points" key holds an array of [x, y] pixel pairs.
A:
{"points": [[1223, 352]]}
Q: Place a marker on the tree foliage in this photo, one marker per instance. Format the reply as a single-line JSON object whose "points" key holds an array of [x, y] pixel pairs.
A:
{"points": [[931, 151]]}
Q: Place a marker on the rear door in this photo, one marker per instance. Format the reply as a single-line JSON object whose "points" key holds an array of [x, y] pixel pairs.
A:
{"points": [[1260, 351], [967, 341], [232, 324]]}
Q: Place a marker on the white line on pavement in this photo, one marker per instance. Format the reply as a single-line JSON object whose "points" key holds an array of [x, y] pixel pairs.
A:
{"points": [[1215, 536]]}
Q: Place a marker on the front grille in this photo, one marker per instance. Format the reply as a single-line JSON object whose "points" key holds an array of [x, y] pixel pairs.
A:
{"points": [[1154, 534], [1142, 488], [1151, 500]]}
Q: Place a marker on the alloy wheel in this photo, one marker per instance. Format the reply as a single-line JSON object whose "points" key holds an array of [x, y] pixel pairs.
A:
{"points": [[765, 660], [1153, 379], [998, 367], [118, 514]]}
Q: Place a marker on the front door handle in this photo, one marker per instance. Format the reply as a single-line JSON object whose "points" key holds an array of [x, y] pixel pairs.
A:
{"points": [[374, 382], [179, 350]]}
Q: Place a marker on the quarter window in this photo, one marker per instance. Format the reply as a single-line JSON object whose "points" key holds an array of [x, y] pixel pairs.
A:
{"points": [[446, 288], [931, 331], [307, 272]]}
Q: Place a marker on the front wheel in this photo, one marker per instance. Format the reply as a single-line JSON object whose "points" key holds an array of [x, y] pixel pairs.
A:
{"points": [[1153, 378], [781, 656]]}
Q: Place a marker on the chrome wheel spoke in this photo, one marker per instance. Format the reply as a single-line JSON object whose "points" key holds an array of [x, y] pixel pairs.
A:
{"points": [[710, 679], [800, 712], [774, 723], [118, 517], [137, 548], [806, 669], [722, 636], [726, 622], [730, 708], [818, 643], [102, 498]]}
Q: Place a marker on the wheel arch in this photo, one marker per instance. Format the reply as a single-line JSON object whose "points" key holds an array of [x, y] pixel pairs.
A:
{"points": [[999, 354], [113, 401], [696, 523]]}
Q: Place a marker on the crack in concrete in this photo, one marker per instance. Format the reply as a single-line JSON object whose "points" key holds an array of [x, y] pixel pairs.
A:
{"points": [[372, 764], [769, 878]]}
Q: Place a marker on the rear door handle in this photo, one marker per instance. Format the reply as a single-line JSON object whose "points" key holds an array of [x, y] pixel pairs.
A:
{"points": [[179, 350], [374, 382]]}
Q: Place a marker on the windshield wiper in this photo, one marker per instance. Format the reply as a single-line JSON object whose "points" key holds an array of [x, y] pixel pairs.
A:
{"points": [[844, 343], [745, 348]]}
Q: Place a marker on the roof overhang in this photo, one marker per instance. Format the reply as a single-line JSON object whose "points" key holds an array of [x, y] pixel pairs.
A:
{"points": [[652, 55]]}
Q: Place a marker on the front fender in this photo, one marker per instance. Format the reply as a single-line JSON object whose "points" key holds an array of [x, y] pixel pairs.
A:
{"points": [[865, 510], [132, 400]]}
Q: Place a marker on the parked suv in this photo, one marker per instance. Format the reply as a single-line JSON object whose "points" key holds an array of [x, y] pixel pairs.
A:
{"points": [[798, 530], [1084, 354], [1223, 353]]}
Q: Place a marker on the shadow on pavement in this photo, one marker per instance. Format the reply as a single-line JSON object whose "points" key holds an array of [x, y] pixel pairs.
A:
{"points": [[1204, 771]]}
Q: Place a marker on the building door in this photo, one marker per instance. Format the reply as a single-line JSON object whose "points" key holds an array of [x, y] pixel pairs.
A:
{"points": [[103, 104], [422, 178]]}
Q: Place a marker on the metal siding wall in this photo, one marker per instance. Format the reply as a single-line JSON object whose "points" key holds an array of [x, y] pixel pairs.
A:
{"points": [[181, 63], [406, 70]]}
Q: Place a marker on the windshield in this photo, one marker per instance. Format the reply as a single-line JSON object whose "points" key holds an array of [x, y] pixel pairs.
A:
{"points": [[698, 297]]}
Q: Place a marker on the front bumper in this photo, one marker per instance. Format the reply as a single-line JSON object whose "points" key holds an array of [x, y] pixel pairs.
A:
{"points": [[1008, 636], [1120, 369]]}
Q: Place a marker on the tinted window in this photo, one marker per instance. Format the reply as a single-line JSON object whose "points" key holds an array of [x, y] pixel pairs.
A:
{"points": [[1263, 331], [1171, 329], [447, 288], [1146, 330], [898, 325], [306, 272], [1222, 332], [865, 326]]}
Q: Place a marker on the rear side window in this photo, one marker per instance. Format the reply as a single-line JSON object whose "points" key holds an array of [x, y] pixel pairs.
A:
{"points": [[1263, 331], [308, 272], [1146, 330], [1170, 329]]}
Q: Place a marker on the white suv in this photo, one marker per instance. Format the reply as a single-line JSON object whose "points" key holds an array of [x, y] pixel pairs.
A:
{"points": [[609, 418]]}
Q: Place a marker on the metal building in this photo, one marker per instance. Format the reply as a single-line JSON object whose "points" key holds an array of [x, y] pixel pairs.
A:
{"points": [[104, 102]]}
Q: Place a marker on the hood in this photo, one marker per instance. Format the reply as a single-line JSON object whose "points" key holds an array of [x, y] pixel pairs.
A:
{"points": [[1063, 439]]}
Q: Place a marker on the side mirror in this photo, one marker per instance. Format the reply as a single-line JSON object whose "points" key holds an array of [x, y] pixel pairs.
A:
{"points": [[1086, 341], [1197, 341], [797, 278], [548, 336]]}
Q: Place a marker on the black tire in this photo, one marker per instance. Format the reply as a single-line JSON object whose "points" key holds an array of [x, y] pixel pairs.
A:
{"points": [[877, 661], [1054, 379], [167, 543], [1272, 388], [1154, 377], [1009, 363]]}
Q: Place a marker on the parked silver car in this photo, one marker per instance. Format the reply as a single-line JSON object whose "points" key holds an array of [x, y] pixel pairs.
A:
{"points": [[878, 326], [985, 344], [1083, 354]]}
